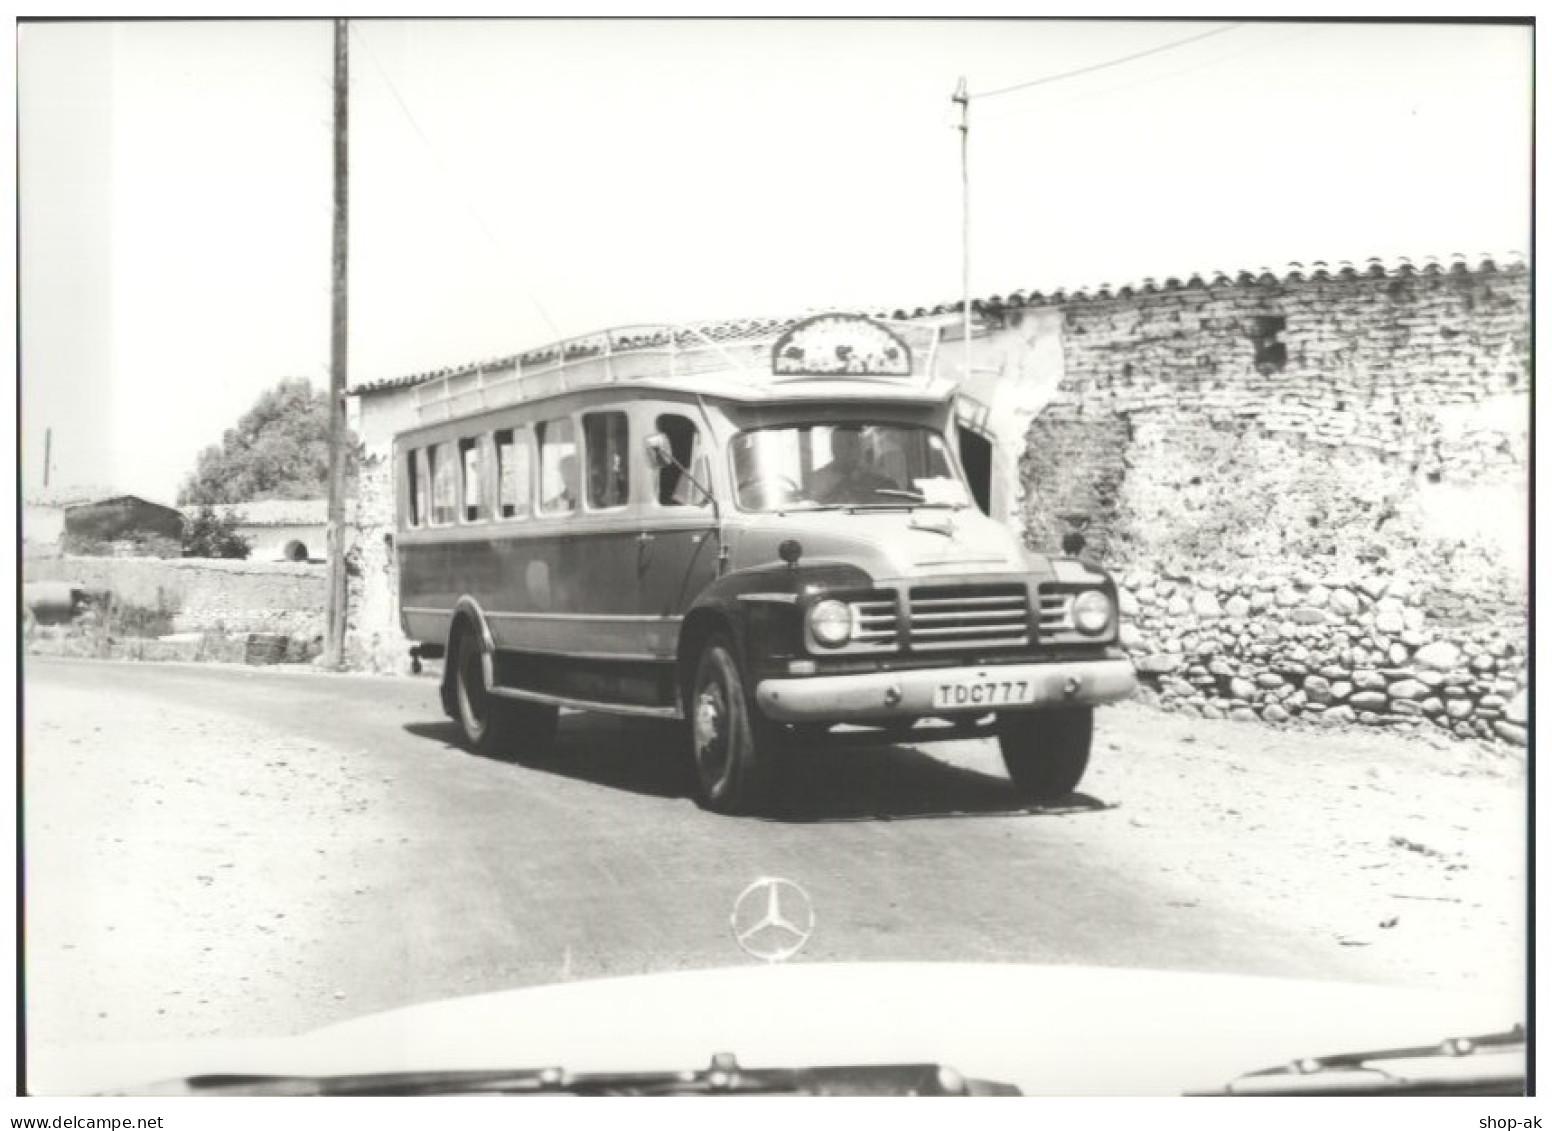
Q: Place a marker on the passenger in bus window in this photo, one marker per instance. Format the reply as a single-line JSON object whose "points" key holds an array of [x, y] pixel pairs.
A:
{"points": [[566, 500], [848, 477]]}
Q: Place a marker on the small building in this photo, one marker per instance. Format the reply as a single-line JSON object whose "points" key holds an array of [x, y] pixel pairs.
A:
{"points": [[282, 530], [123, 526], [43, 516]]}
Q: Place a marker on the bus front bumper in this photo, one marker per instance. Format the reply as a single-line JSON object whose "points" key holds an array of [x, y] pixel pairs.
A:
{"points": [[941, 692]]}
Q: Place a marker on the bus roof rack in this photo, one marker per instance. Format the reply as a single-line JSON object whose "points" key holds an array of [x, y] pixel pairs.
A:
{"points": [[741, 353]]}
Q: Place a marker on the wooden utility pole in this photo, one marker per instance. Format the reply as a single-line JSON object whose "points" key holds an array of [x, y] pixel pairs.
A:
{"points": [[962, 96], [334, 606], [48, 453]]}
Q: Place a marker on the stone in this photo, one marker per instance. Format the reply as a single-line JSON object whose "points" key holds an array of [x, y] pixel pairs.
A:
{"points": [[1367, 679], [1159, 663], [1177, 606], [1455, 691], [1206, 607], [1317, 688], [1242, 689], [1432, 679], [1337, 715], [1408, 689], [1341, 689], [1308, 614], [1432, 706], [1242, 715], [1370, 719], [1372, 586], [1317, 596], [1484, 663], [1389, 622], [1272, 713], [1236, 607], [1179, 687], [1399, 588], [1131, 635], [1126, 600], [1458, 708], [1439, 656], [1492, 702], [1515, 709], [1369, 701], [1414, 619], [1269, 680], [1510, 732], [1334, 671], [1212, 711], [1398, 654], [1343, 603], [1405, 707], [1260, 601], [1221, 667], [1306, 579], [1413, 638], [1147, 595], [1288, 596]]}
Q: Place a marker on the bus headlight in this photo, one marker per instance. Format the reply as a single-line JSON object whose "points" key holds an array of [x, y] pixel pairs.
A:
{"points": [[830, 622], [1092, 613]]}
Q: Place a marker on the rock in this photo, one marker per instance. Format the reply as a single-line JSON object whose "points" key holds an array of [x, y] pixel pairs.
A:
{"points": [[1408, 689], [1171, 685], [1131, 635], [1515, 709], [1242, 715], [1510, 732], [1272, 713], [1372, 586], [1165, 587], [1432, 679], [1177, 606], [1399, 588], [1288, 596], [1269, 680], [1369, 701], [1341, 689], [1433, 706], [1318, 688], [1159, 663], [1458, 708], [1260, 601], [1367, 679], [1398, 654], [1343, 603], [1308, 614], [1337, 715], [1439, 656], [1389, 622], [1147, 595], [1492, 702], [1227, 585], [1126, 600], [1206, 607], [1413, 638], [1405, 707], [1236, 607], [1334, 671], [1484, 663], [1212, 711], [1454, 691], [1221, 667], [1318, 596], [1414, 619], [1242, 689], [1370, 718]]}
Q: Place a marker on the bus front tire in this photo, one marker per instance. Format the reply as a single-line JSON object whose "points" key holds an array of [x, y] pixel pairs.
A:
{"points": [[489, 723], [732, 743], [1046, 752]]}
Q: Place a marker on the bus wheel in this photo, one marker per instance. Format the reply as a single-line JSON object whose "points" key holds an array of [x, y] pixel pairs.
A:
{"points": [[731, 741], [1046, 752], [484, 719]]}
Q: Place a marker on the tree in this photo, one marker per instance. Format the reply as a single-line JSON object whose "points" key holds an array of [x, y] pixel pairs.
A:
{"points": [[211, 535], [278, 450]]}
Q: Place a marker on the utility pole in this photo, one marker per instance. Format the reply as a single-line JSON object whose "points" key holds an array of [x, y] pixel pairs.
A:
{"points": [[48, 453], [334, 605], [962, 97]]}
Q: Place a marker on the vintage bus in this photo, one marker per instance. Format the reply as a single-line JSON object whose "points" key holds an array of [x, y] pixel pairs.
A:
{"points": [[762, 532]]}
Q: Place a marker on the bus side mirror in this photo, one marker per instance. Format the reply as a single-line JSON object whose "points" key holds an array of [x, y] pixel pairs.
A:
{"points": [[660, 452]]}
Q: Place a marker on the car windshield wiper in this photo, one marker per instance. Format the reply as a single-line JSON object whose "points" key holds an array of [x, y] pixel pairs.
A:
{"points": [[1492, 1065], [724, 1077]]}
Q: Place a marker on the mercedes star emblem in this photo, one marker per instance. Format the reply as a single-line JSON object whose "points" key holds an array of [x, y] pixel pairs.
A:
{"points": [[772, 919]]}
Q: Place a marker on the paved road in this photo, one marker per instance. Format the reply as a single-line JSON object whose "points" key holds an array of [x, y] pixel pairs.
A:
{"points": [[242, 852]]}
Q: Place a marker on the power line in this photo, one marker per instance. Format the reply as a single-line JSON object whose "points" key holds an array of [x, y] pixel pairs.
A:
{"points": [[1042, 81], [474, 212]]}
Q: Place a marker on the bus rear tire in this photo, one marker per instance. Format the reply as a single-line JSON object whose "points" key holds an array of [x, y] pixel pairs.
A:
{"points": [[491, 724], [1046, 752], [732, 743]]}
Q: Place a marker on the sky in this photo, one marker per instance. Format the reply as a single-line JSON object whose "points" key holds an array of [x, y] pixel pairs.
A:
{"points": [[513, 182]]}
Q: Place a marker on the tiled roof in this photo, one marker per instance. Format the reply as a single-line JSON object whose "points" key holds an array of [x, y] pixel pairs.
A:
{"points": [[1399, 267], [278, 512], [57, 496]]}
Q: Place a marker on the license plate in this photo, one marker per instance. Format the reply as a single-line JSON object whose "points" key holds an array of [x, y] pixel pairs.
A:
{"points": [[983, 693]]}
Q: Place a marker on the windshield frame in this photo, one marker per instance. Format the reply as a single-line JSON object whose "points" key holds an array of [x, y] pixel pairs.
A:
{"points": [[893, 503]]}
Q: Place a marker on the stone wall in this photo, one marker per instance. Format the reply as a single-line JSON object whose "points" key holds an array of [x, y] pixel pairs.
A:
{"points": [[1318, 489], [208, 595]]}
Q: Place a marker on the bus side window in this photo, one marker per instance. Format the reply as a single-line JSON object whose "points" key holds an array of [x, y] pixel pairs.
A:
{"points": [[413, 489], [674, 488], [608, 459], [514, 480], [559, 476], [469, 461], [444, 484]]}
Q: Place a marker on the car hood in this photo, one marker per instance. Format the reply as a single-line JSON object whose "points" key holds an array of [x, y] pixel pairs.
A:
{"points": [[1048, 1030]]}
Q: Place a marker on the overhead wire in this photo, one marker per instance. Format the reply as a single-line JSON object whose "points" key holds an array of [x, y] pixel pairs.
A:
{"points": [[1108, 63], [474, 211]]}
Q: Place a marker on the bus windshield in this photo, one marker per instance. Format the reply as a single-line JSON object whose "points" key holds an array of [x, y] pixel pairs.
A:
{"points": [[844, 465]]}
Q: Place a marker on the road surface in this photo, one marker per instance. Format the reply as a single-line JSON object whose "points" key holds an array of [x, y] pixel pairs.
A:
{"points": [[222, 851]]}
